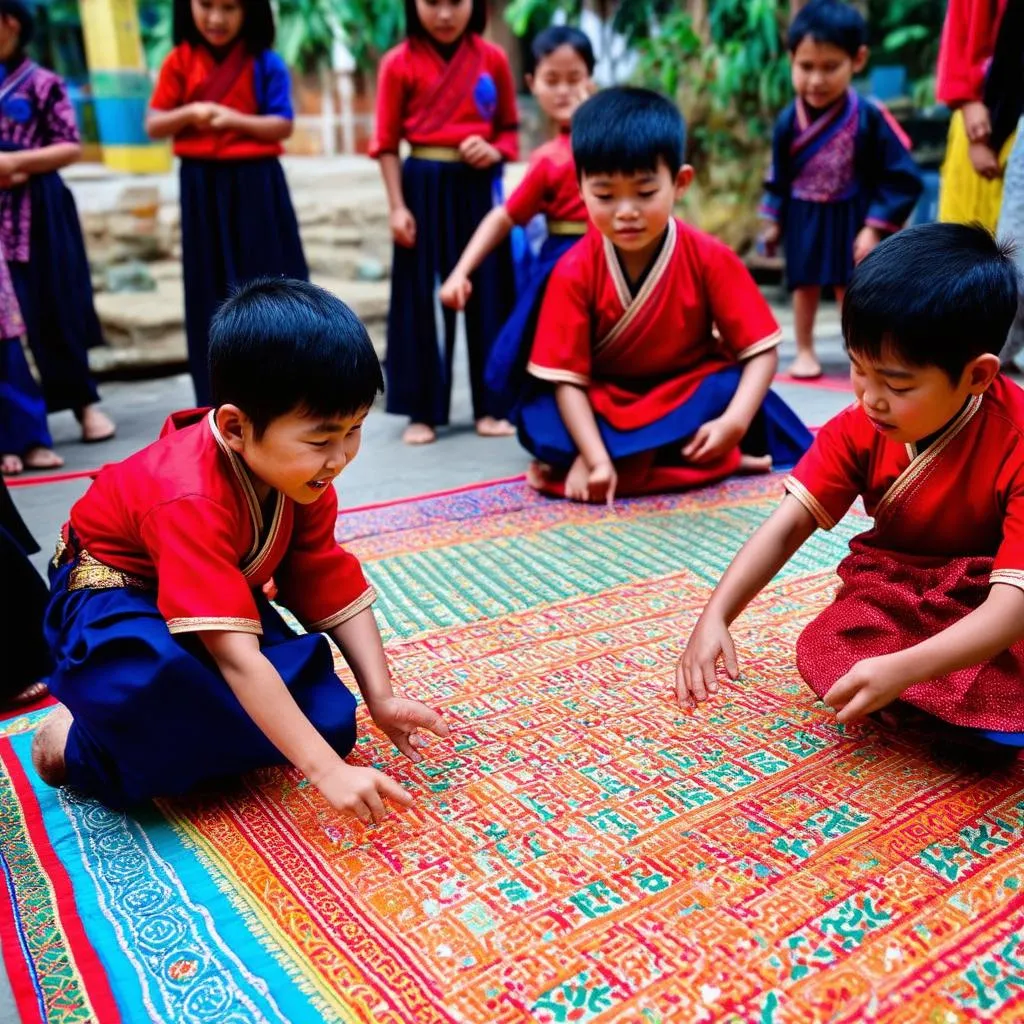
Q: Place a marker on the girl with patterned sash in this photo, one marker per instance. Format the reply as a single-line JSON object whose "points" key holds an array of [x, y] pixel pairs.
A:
{"points": [[39, 227], [841, 177], [931, 606], [225, 97], [450, 95], [563, 61], [654, 349], [25, 441]]}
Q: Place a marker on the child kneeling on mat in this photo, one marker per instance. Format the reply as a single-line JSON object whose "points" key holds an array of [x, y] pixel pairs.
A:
{"points": [[172, 667], [931, 607]]}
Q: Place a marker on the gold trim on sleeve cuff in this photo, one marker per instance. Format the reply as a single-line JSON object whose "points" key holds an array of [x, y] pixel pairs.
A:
{"points": [[364, 600], [809, 502], [228, 625], [557, 376], [759, 347], [1013, 577]]}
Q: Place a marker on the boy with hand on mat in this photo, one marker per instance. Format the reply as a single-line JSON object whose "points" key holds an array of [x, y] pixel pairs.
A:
{"points": [[654, 349], [172, 667], [931, 607]]}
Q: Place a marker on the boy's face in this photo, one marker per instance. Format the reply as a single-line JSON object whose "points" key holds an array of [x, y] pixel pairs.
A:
{"points": [[822, 72], [907, 403], [560, 84], [298, 454], [633, 210]]}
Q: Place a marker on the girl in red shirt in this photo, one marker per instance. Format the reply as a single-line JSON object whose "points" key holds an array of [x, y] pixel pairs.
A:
{"points": [[450, 95], [224, 95]]}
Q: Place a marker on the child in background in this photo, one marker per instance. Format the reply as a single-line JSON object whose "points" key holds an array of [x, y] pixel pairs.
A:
{"points": [[563, 61], [931, 607], [224, 95], [173, 667], [25, 441], [840, 179], [654, 349], [39, 228], [450, 94]]}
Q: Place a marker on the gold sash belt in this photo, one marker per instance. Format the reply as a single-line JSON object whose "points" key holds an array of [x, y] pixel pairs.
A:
{"points": [[442, 154], [567, 227], [90, 573]]}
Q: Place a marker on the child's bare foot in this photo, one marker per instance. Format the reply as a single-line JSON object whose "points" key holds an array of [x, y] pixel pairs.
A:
{"points": [[41, 457], [753, 464], [488, 426], [11, 465], [31, 693], [804, 367], [540, 476], [48, 746], [96, 425], [419, 433]]}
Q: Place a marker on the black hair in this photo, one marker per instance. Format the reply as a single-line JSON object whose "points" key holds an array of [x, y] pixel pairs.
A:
{"points": [[932, 295], [280, 346], [414, 27], [554, 38], [24, 17], [257, 25], [624, 130], [829, 21]]}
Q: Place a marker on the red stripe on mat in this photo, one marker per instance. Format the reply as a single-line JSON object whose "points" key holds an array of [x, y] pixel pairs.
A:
{"points": [[87, 962], [24, 709], [432, 494], [825, 383], [49, 478]]}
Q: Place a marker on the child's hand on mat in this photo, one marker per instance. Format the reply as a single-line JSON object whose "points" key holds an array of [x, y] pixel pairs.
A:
{"points": [[695, 673], [983, 160], [400, 720], [595, 483], [403, 227], [713, 440], [478, 152], [361, 791], [866, 240], [869, 685], [455, 292]]}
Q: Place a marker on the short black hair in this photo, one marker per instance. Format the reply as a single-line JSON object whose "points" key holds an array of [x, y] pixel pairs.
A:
{"points": [[279, 346], [624, 130], [932, 295], [25, 18], [414, 27], [257, 25], [554, 38], [829, 21]]}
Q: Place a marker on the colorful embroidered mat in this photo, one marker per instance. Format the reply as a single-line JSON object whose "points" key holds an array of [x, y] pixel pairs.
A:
{"points": [[582, 850]]}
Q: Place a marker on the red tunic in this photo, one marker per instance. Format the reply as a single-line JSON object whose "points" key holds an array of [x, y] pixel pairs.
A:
{"points": [[641, 357], [430, 102], [949, 521], [183, 513], [965, 51], [255, 86], [550, 186]]}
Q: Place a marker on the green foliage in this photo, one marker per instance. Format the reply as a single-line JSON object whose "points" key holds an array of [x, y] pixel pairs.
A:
{"points": [[526, 17], [907, 32]]}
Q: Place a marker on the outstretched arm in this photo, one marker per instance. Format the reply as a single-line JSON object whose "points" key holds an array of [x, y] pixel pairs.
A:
{"points": [[491, 231], [773, 544]]}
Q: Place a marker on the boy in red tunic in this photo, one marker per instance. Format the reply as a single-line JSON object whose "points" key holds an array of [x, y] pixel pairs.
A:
{"points": [[931, 607], [654, 349], [172, 666]]}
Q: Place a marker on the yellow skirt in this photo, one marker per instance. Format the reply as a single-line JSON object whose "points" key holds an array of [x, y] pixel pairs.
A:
{"points": [[965, 196]]}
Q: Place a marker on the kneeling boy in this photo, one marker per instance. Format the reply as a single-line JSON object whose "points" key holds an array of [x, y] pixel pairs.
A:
{"points": [[172, 667]]}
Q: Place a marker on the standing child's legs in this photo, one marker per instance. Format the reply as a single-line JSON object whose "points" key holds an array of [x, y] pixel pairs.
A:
{"points": [[805, 309]]}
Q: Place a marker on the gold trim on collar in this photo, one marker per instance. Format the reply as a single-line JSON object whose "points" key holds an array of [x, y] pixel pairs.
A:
{"points": [[257, 553], [632, 305], [920, 463]]}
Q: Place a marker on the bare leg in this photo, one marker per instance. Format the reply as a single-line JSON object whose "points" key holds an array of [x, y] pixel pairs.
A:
{"points": [[805, 308], [96, 424], [751, 464], [48, 746], [488, 426], [419, 433]]}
